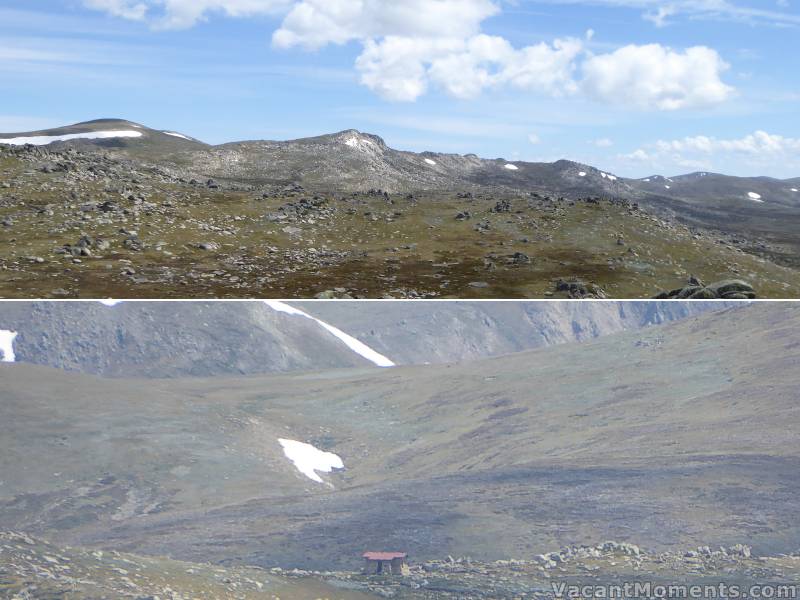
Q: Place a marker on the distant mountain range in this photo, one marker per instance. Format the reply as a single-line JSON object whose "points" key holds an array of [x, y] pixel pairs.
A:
{"points": [[354, 161]]}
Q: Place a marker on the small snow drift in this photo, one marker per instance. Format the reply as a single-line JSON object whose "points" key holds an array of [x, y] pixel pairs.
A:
{"points": [[608, 176], [178, 135], [309, 459], [511, 167], [754, 197], [794, 189], [667, 187], [7, 345], [109, 302], [430, 162], [647, 181], [351, 342], [582, 174], [361, 144], [43, 140]]}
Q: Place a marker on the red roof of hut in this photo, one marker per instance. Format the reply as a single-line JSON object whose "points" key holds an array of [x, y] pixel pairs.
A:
{"points": [[384, 555]]}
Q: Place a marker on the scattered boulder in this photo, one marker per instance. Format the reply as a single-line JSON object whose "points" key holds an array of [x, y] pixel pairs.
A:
{"points": [[576, 288], [729, 289]]}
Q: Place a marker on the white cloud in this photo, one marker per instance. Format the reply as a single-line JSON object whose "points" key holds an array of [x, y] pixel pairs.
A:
{"points": [[181, 14], [758, 143], [490, 61], [638, 156], [413, 46], [758, 152], [660, 12], [315, 23], [602, 143], [656, 77]]}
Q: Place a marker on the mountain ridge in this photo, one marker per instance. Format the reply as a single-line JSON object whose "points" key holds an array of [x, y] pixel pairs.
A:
{"points": [[380, 141]]}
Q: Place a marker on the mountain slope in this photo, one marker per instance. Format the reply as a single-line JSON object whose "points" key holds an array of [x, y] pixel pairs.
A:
{"points": [[457, 331], [110, 135], [654, 437], [173, 339], [166, 339]]}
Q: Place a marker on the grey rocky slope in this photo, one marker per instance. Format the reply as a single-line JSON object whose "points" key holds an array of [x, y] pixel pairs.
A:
{"points": [[456, 331], [166, 339], [354, 161], [668, 438], [171, 339]]}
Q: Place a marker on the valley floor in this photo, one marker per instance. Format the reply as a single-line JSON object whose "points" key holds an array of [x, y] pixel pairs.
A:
{"points": [[32, 568]]}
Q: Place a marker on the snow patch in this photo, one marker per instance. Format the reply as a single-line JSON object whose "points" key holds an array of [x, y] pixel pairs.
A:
{"points": [[43, 140], [7, 344], [666, 186], [358, 347], [430, 162], [109, 302], [361, 144], [309, 459], [607, 176], [755, 197], [647, 180], [511, 167], [173, 134], [582, 174], [794, 189]]}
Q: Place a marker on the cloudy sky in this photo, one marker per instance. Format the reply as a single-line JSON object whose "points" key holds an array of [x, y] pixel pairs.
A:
{"points": [[635, 87]]}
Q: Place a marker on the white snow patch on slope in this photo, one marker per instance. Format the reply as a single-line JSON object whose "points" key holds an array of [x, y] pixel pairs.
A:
{"points": [[109, 302], [309, 459], [608, 176], [755, 197], [511, 167], [430, 162], [43, 140], [7, 344], [582, 174], [647, 180], [173, 134], [794, 189], [666, 186], [361, 143], [358, 347]]}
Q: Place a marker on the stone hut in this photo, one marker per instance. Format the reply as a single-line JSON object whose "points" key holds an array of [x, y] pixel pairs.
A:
{"points": [[392, 563]]}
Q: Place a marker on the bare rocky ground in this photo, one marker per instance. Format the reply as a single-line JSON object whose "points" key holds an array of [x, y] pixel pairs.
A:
{"points": [[85, 224], [33, 569]]}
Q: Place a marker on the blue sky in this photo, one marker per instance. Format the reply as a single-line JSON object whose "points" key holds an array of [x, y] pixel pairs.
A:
{"points": [[632, 86]]}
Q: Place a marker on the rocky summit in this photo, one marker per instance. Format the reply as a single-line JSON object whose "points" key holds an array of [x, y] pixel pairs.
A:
{"points": [[111, 208]]}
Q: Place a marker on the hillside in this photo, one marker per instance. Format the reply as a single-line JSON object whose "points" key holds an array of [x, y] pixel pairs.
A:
{"points": [[458, 331], [171, 339], [653, 437], [93, 219], [174, 339]]}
